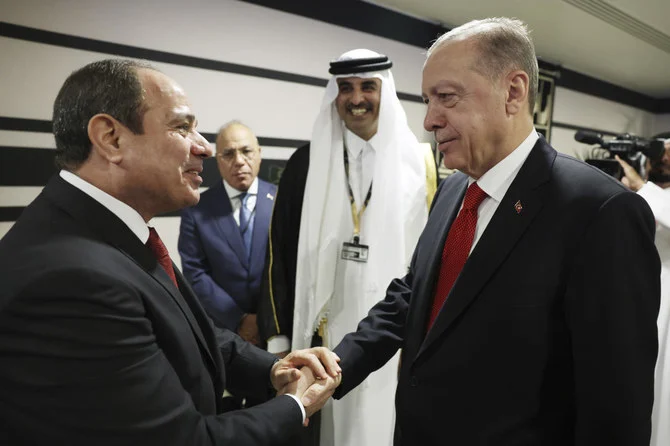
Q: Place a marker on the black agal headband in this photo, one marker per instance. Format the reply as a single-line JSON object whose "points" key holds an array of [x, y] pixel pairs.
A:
{"points": [[352, 66]]}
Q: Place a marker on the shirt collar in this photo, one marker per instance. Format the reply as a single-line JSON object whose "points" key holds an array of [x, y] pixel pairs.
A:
{"points": [[125, 213], [355, 144], [232, 192], [498, 179]]}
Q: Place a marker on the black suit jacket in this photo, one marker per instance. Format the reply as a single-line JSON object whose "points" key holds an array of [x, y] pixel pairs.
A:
{"points": [[277, 298], [99, 347], [548, 336]]}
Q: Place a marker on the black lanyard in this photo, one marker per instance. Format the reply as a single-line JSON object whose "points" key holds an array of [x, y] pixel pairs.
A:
{"points": [[356, 215]]}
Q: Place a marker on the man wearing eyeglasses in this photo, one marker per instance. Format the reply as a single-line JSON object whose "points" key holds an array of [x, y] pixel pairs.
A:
{"points": [[222, 240]]}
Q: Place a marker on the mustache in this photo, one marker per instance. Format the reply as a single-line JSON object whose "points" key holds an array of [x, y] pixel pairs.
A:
{"points": [[365, 105]]}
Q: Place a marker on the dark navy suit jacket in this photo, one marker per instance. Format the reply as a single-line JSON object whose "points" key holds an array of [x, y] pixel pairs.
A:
{"points": [[213, 257]]}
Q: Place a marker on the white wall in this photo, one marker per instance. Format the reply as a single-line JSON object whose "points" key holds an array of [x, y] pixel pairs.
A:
{"points": [[235, 32], [229, 31], [661, 124], [583, 110]]}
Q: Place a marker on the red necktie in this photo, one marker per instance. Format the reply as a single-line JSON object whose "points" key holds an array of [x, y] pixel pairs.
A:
{"points": [[457, 247], [160, 251]]}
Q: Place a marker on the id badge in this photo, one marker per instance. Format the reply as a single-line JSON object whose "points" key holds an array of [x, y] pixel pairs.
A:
{"points": [[355, 252]]}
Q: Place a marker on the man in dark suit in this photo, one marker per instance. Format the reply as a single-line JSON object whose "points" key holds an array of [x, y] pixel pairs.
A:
{"points": [[102, 340], [522, 319], [223, 239]]}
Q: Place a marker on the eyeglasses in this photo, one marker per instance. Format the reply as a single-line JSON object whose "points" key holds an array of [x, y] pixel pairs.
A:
{"points": [[230, 155]]}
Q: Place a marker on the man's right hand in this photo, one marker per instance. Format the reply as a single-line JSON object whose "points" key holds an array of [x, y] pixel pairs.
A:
{"points": [[317, 394], [313, 393], [321, 361], [296, 373]]}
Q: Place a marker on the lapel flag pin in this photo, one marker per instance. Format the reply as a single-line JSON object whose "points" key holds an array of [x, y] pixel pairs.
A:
{"points": [[518, 207], [270, 196]]}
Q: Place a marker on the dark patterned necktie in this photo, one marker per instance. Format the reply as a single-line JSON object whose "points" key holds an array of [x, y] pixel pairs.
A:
{"points": [[160, 251]]}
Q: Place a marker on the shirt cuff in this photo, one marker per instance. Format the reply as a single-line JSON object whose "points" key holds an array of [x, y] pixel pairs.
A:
{"points": [[302, 408], [278, 344]]}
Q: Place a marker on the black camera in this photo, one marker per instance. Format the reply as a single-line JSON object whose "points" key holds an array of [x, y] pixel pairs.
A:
{"points": [[630, 148]]}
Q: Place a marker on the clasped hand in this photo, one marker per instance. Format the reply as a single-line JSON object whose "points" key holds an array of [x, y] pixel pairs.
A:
{"points": [[311, 374]]}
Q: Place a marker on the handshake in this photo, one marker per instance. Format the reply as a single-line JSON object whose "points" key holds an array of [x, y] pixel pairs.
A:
{"points": [[312, 375]]}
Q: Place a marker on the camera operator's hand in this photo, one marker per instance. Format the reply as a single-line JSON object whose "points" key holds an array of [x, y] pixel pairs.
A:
{"points": [[631, 178]]}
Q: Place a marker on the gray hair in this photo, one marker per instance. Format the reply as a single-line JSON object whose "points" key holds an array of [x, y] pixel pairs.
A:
{"points": [[233, 123], [504, 45]]}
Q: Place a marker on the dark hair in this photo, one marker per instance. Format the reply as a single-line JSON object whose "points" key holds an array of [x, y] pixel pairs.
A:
{"points": [[109, 86]]}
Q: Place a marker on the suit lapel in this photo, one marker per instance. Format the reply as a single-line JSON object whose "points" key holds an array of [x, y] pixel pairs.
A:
{"points": [[263, 213], [203, 326], [222, 218], [444, 211], [179, 296], [109, 228], [501, 235]]}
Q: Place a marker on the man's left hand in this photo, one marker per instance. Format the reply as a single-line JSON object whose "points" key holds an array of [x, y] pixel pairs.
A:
{"points": [[321, 361]]}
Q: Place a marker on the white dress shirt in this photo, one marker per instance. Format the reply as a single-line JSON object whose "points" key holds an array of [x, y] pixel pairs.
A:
{"points": [[497, 180], [361, 164], [126, 214], [236, 203]]}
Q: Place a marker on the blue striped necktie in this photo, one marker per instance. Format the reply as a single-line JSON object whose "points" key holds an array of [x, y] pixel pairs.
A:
{"points": [[246, 227]]}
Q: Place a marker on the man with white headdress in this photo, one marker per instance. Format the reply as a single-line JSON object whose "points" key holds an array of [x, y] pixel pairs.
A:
{"points": [[349, 210]]}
